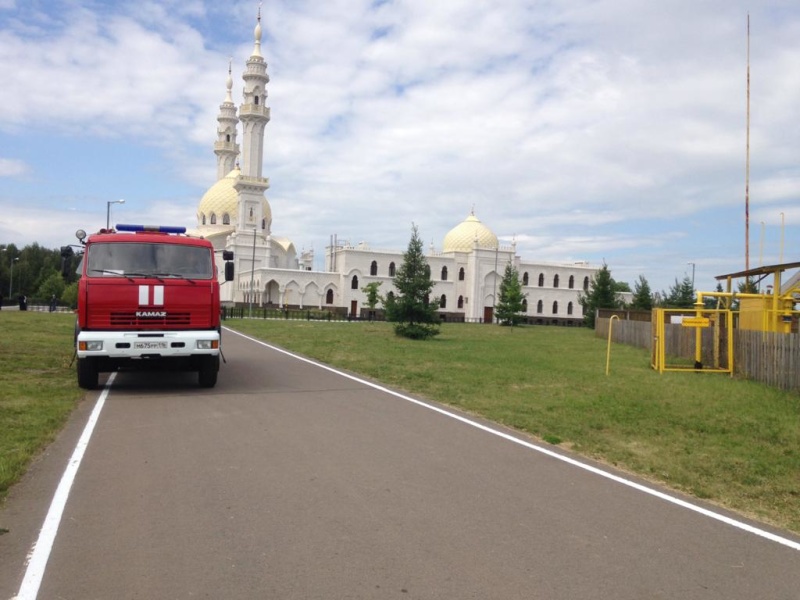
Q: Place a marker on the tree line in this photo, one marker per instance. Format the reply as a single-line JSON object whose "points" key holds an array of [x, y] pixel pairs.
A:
{"points": [[38, 273]]}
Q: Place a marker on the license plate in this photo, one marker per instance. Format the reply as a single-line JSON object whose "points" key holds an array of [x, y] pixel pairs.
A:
{"points": [[150, 345]]}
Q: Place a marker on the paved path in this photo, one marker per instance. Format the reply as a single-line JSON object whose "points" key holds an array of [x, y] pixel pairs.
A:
{"points": [[289, 481]]}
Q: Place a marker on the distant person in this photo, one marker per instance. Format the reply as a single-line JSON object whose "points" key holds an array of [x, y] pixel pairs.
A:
{"points": [[53, 303], [23, 302]]}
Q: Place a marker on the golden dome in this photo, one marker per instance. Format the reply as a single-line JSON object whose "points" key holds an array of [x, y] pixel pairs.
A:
{"points": [[221, 199], [462, 237]]}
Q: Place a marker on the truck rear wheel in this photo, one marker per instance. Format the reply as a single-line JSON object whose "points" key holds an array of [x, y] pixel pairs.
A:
{"points": [[207, 375], [87, 373]]}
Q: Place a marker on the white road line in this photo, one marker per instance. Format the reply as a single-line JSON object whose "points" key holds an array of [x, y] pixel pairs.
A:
{"points": [[40, 553], [592, 469]]}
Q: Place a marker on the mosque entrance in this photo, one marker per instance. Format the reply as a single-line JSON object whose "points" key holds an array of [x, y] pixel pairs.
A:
{"points": [[488, 314]]}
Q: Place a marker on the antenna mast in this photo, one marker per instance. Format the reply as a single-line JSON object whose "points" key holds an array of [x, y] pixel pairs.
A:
{"points": [[747, 163]]}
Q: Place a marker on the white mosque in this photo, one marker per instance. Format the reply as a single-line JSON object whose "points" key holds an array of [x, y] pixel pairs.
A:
{"points": [[234, 215]]}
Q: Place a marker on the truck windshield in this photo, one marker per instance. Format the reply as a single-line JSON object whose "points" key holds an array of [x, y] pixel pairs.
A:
{"points": [[148, 260]]}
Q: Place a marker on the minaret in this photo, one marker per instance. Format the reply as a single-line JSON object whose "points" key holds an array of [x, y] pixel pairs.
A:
{"points": [[254, 116], [226, 147]]}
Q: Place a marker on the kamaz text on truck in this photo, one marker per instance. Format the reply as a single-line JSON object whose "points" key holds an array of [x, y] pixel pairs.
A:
{"points": [[148, 297]]}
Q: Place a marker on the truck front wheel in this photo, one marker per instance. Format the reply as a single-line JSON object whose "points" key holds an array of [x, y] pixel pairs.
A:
{"points": [[207, 374], [87, 373]]}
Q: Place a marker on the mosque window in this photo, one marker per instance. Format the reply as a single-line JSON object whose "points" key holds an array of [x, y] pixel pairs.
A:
{"points": [[391, 269], [585, 284], [461, 274], [555, 307], [525, 278], [524, 305], [572, 282], [354, 283], [263, 223], [390, 296], [569, 308], [539, 307], [329, 297], [255, 99], [461, 302], [213, 219], [444, 273], [226, 219], [541, 279], [203, 218], [227, 137], [373, 268], [443, 301], [555, 281]]}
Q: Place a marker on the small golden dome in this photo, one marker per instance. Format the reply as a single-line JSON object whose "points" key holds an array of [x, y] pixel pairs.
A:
{"points": [[462, 237]]}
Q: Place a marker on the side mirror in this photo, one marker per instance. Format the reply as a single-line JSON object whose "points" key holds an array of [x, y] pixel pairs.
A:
{"points": [[229, 271], [227, 255]]}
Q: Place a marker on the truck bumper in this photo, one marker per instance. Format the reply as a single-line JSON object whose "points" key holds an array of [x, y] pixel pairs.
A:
{"points": [[147, 344]]}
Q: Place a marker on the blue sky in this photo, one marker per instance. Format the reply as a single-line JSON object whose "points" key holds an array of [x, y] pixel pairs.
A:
{"points": [[597, 130]]}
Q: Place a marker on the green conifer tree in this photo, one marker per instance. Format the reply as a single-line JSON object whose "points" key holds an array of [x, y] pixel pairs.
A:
{"points": [[601, 294], [411, 309], [509, 307]]}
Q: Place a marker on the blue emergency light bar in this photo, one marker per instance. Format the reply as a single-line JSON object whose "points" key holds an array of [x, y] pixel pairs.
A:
{"points": [[151, 228]]}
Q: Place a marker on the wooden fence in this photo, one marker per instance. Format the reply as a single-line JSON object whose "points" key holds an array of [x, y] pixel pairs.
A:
{"points": [[770, 358]]}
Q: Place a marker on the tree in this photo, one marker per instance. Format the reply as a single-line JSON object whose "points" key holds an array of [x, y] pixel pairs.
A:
{"points": [[509, 308], [52, 286], [642, 296], [373, 297], [681, 295], [601, 294], [414, 316]]}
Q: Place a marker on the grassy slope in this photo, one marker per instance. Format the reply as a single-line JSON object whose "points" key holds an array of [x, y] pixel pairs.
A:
{"points": [[37, 389]]}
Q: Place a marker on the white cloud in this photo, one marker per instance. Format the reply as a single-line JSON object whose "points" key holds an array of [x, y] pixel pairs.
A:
{"points": [[13, 168]]}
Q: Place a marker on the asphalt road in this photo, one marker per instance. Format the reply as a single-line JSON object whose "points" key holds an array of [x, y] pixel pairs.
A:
{"points": [[289, 481]]}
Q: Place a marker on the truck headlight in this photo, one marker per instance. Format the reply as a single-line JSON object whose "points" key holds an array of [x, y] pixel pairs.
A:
{"points": [[90, 346], [207, 344]]}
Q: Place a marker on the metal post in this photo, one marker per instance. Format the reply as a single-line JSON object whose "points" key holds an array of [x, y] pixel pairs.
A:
{"points": [[11, 277], [108, 211]]}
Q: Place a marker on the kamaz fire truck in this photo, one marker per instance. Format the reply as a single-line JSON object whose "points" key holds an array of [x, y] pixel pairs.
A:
{"points": [[148, 297]]}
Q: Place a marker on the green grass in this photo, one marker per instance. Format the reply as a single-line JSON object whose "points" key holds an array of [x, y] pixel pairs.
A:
{"points": [[37, 389], [735, 443]]}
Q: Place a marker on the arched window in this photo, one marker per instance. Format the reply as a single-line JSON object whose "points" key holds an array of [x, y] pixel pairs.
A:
{"points": [[204, 219], [354, 283], [256, 100], [390, 296], [539, 307], [524, 305], [227, 137], [555, 307], [444, 273], [213, 219], [525, 278], [391, 270], [263, 223], [585, 284], [443, 301], [555, 281], [329, 297], [373, 268], [461, 274], [226, 219], [572, 282], [569, 308], [461, 302], [541, 279]]}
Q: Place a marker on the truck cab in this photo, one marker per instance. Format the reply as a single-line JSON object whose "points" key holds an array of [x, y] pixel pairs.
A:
{"points": [[148, 298]]}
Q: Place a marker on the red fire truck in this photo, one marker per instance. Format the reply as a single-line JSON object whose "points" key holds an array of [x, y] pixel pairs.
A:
{"points": [[148, 297]]}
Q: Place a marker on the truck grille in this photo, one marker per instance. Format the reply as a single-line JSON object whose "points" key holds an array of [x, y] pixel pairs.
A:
{"points": [[129, 319]]}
